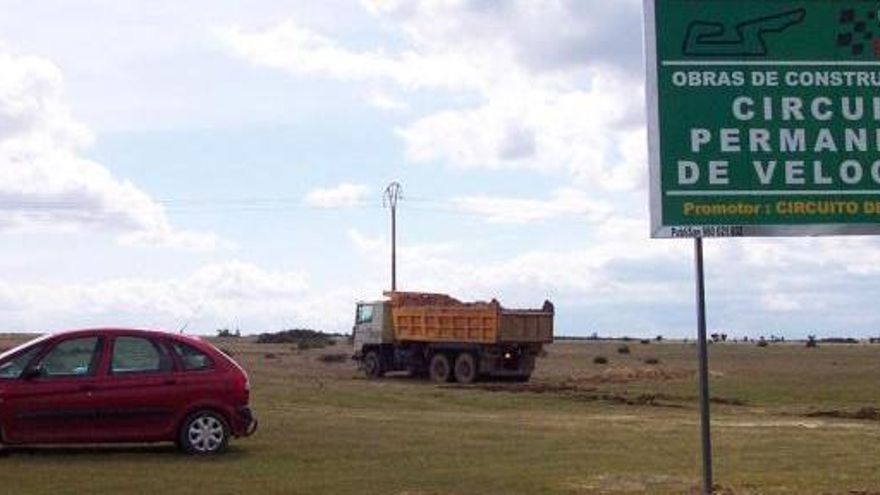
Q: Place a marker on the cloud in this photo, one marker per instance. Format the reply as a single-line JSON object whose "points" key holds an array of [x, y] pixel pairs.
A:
{"points": [[565, 203], [591, 270], [300, 51], [595, 136], [45, 183], [227, 294], [340, 196], [383, 101], [556, 100], [543, 35], [556, 87], [617, 281]]}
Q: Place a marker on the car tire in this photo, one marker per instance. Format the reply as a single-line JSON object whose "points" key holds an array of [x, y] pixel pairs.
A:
{"points": [[465, 368], [440, 369], [204, 432], [373, 365]]}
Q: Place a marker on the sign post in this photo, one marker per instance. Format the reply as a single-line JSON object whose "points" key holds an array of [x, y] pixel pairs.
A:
{"points": [[703, 349], [763, 120]]}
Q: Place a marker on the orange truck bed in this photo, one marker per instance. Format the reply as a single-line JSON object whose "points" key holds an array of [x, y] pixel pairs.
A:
{"points": [[427, 317]]}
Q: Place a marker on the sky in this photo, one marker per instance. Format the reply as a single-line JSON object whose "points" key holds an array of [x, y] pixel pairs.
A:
{"points": [[221, 164]]}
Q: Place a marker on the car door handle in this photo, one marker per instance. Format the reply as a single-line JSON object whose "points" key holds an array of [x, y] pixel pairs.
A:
{"points": [[169, 381]]}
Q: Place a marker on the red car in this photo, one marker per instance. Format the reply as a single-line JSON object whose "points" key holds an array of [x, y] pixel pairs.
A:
{"points": [[112, 385]]}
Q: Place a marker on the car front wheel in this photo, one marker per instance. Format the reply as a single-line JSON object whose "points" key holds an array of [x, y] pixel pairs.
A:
{"points": [[204, 433]]}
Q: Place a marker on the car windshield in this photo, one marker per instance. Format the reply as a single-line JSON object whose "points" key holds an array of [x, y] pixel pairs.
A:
{"points": [[12, 367], [16, 349]]}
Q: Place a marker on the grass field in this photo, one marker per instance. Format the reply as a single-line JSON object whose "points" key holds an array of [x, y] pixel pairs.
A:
{"points": [[786, 419]]}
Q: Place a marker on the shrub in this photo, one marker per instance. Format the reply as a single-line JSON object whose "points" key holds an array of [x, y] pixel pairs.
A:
{"points": [[839, 340], [652, 360], [624, 349], [645, 341], [302, 338], [600, 360], [333, 358], [811, 341], [270, 355], [305, 345], [762, 343]]}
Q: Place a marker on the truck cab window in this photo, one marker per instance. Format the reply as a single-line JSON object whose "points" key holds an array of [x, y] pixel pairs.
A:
{"points": [[364, 314]]}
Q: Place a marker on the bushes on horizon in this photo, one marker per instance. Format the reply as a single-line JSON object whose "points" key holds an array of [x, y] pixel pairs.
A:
{"points": [[600, 360], [303, 339]]}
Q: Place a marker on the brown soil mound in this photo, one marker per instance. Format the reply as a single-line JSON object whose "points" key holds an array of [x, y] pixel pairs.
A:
{"points": [[628, 374], [865, 413]]}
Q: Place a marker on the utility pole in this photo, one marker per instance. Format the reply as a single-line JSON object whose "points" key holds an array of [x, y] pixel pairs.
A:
{"points": [[392, 194]]}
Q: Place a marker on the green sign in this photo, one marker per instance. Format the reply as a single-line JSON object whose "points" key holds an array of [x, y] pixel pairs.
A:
{"points": [[764, 117]]}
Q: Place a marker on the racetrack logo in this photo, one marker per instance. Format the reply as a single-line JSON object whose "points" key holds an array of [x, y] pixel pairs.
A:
{"points": [[857, 32], [745, 39]]}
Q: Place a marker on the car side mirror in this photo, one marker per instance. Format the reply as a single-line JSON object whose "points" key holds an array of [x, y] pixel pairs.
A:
{"points": [[32, 372]]}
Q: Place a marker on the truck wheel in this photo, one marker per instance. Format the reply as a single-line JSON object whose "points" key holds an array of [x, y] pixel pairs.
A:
{"points": [[440, 370], [465, 368], [373, 365]]}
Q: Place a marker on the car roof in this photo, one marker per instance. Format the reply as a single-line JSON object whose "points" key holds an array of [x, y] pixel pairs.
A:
{"points": [[123, 331]]}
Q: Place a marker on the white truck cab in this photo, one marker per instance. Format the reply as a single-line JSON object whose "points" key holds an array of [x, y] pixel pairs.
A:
{"points": [[372, 325]]}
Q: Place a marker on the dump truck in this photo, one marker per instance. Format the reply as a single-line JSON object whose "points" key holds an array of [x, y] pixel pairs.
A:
{"points": [[438, 336]]}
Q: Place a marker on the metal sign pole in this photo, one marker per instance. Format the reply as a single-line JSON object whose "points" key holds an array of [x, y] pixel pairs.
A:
{"points": [[703, 350]]}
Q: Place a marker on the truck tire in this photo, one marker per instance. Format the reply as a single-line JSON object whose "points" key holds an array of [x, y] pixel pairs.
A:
{"points": [[440, 370], [373, 365], [465, 368]]}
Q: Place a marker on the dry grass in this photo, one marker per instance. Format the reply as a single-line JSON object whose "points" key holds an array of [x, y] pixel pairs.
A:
{"points": [[577, 428]]}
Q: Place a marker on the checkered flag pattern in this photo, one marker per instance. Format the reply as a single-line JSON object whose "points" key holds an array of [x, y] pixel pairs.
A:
{"points": [[857, 34]]}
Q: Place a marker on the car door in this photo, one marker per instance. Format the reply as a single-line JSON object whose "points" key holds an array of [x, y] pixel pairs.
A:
{"points": [[52, 400], [199, 375], [137, 399]]}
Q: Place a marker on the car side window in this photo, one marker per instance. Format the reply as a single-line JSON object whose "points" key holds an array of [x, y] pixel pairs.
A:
{"points": [[191, 358], [138, 355], [70, 358], [13, 367]]}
